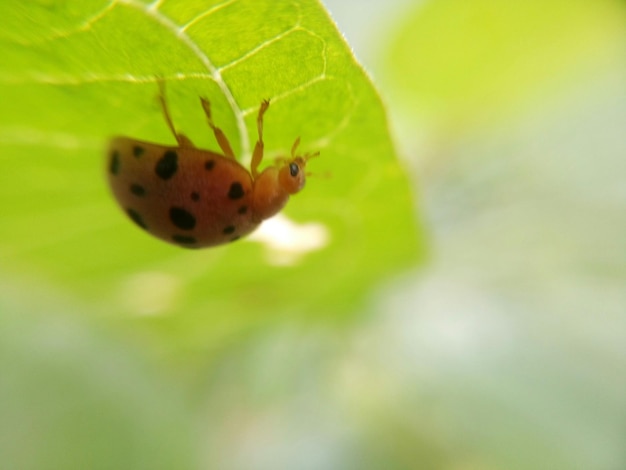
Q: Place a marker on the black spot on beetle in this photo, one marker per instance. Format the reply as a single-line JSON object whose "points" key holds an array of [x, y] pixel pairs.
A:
{"points": [[134, 215], [184, 239], [195, 196], [235, 191], [137, 190], [209, 164], [114, 164], [228, 230], [167, 165], [138, 151], [182, 219], [243, 209]]}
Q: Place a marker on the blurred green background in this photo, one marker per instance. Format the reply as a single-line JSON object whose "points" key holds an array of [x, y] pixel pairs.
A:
{"points": [[506, 349]]}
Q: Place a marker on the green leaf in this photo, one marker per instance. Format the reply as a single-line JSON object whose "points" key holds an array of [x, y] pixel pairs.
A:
{"points": [[75, 73]]}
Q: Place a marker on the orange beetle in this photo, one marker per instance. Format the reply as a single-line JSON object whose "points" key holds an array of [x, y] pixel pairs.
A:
{"points": [[197, 198]]}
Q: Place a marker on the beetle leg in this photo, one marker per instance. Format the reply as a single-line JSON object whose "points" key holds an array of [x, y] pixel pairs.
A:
{"points": [[257, 155], [221, 138], [182, 139]]}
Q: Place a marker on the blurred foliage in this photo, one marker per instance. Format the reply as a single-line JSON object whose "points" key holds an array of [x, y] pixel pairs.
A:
{"points": [[513, 116], [457, 64], [73, 398]]}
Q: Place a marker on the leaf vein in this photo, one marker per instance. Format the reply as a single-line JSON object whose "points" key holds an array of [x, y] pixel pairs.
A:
{"points": [[206, 14], [28, 136], [42, 78], [260, 47], [177, 30], [86, 25], [321, 77]]}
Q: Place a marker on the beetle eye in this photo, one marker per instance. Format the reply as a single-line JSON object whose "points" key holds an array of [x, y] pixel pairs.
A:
{"points": [[294, 169]]}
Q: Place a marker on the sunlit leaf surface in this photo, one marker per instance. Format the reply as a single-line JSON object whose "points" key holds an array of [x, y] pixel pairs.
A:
{"points": [[74, 73]]}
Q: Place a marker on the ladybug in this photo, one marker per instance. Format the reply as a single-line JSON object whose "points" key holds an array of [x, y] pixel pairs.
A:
{"points": [[198, 198]]}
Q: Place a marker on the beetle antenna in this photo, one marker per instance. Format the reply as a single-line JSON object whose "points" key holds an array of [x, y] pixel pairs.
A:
{"points": [[294, 147], [308, 156], [324, 175]]}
